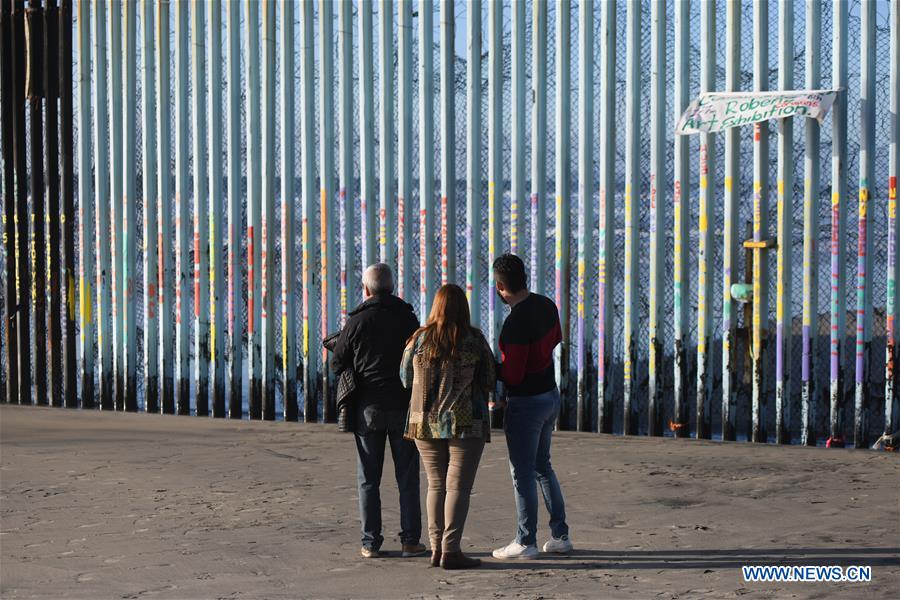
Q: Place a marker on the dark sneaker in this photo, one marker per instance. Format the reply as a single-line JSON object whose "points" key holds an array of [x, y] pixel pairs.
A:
{"points": [[410, 550], [369, 552]]}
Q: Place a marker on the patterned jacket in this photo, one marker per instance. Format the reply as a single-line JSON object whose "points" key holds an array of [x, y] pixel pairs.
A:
{"points": [[449, 398]]}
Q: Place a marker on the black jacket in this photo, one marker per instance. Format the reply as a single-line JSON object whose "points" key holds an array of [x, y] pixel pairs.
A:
{"points": [[372, 344]]}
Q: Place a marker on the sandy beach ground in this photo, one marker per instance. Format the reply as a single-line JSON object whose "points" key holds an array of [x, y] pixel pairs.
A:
{"points": [[105, 505]]}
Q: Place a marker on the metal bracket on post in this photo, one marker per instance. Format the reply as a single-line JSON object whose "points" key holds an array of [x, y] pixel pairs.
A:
{"points": [[752, 246], [769, 244]]}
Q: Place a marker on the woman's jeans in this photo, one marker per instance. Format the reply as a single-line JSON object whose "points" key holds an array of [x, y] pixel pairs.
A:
{"points": [[528, 423], [450, 466]]}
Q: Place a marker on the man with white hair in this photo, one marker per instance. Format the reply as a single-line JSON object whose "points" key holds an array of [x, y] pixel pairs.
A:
{"points": [[372, 344]]}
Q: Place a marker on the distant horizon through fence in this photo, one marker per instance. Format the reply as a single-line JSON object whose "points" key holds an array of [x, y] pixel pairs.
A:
{"points": [[638, 234]]}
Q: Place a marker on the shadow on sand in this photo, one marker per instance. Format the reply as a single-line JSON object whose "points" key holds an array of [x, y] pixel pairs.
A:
{"points": [[699, 559]]}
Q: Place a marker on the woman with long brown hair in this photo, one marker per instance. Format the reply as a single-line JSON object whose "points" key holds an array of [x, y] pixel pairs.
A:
{"points": [[450, 368]]}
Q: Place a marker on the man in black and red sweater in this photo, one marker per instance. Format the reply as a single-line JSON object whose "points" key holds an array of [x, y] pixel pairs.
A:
{"points": [[529, 335]]}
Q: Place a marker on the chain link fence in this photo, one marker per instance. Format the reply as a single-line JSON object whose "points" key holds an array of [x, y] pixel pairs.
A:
{"points": [[878, 222]]}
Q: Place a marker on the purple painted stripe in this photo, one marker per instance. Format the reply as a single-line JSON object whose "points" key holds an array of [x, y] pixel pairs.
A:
{"points": [[534, 238], [601, 332], [807, 354], [861, 294]]}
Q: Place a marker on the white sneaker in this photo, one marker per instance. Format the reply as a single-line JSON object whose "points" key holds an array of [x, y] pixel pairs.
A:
{"points": [[515, 550], [560, 545]]}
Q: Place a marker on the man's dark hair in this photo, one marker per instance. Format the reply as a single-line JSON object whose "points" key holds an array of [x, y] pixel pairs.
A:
{"points": [[510, 270]]}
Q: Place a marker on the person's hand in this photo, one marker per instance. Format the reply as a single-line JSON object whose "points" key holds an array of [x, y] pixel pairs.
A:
{"points": [[498, 404]]}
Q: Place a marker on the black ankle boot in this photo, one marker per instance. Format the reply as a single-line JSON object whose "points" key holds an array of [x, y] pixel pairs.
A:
{"points": [[458, 560]]}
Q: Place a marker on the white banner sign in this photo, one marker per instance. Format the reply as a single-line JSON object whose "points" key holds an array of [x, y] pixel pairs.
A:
{"points": [[715, 111]]}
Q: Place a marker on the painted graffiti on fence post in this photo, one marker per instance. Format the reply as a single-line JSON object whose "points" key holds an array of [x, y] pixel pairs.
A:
{"points": [[267, 204], [85, 214], [730, 219], [838, 218], [606, 205], [893, 267], [760, 225], [235, 226], [101, 203], [217, 210], [865, 243], [680, 423], [309, 229], [705, 249], [581, 343], [631, 410], [784, 219], [809, 390]]}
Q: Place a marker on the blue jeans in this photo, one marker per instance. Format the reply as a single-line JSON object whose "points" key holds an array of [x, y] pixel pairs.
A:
{"points": [[371, 437], [528, 423]]}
